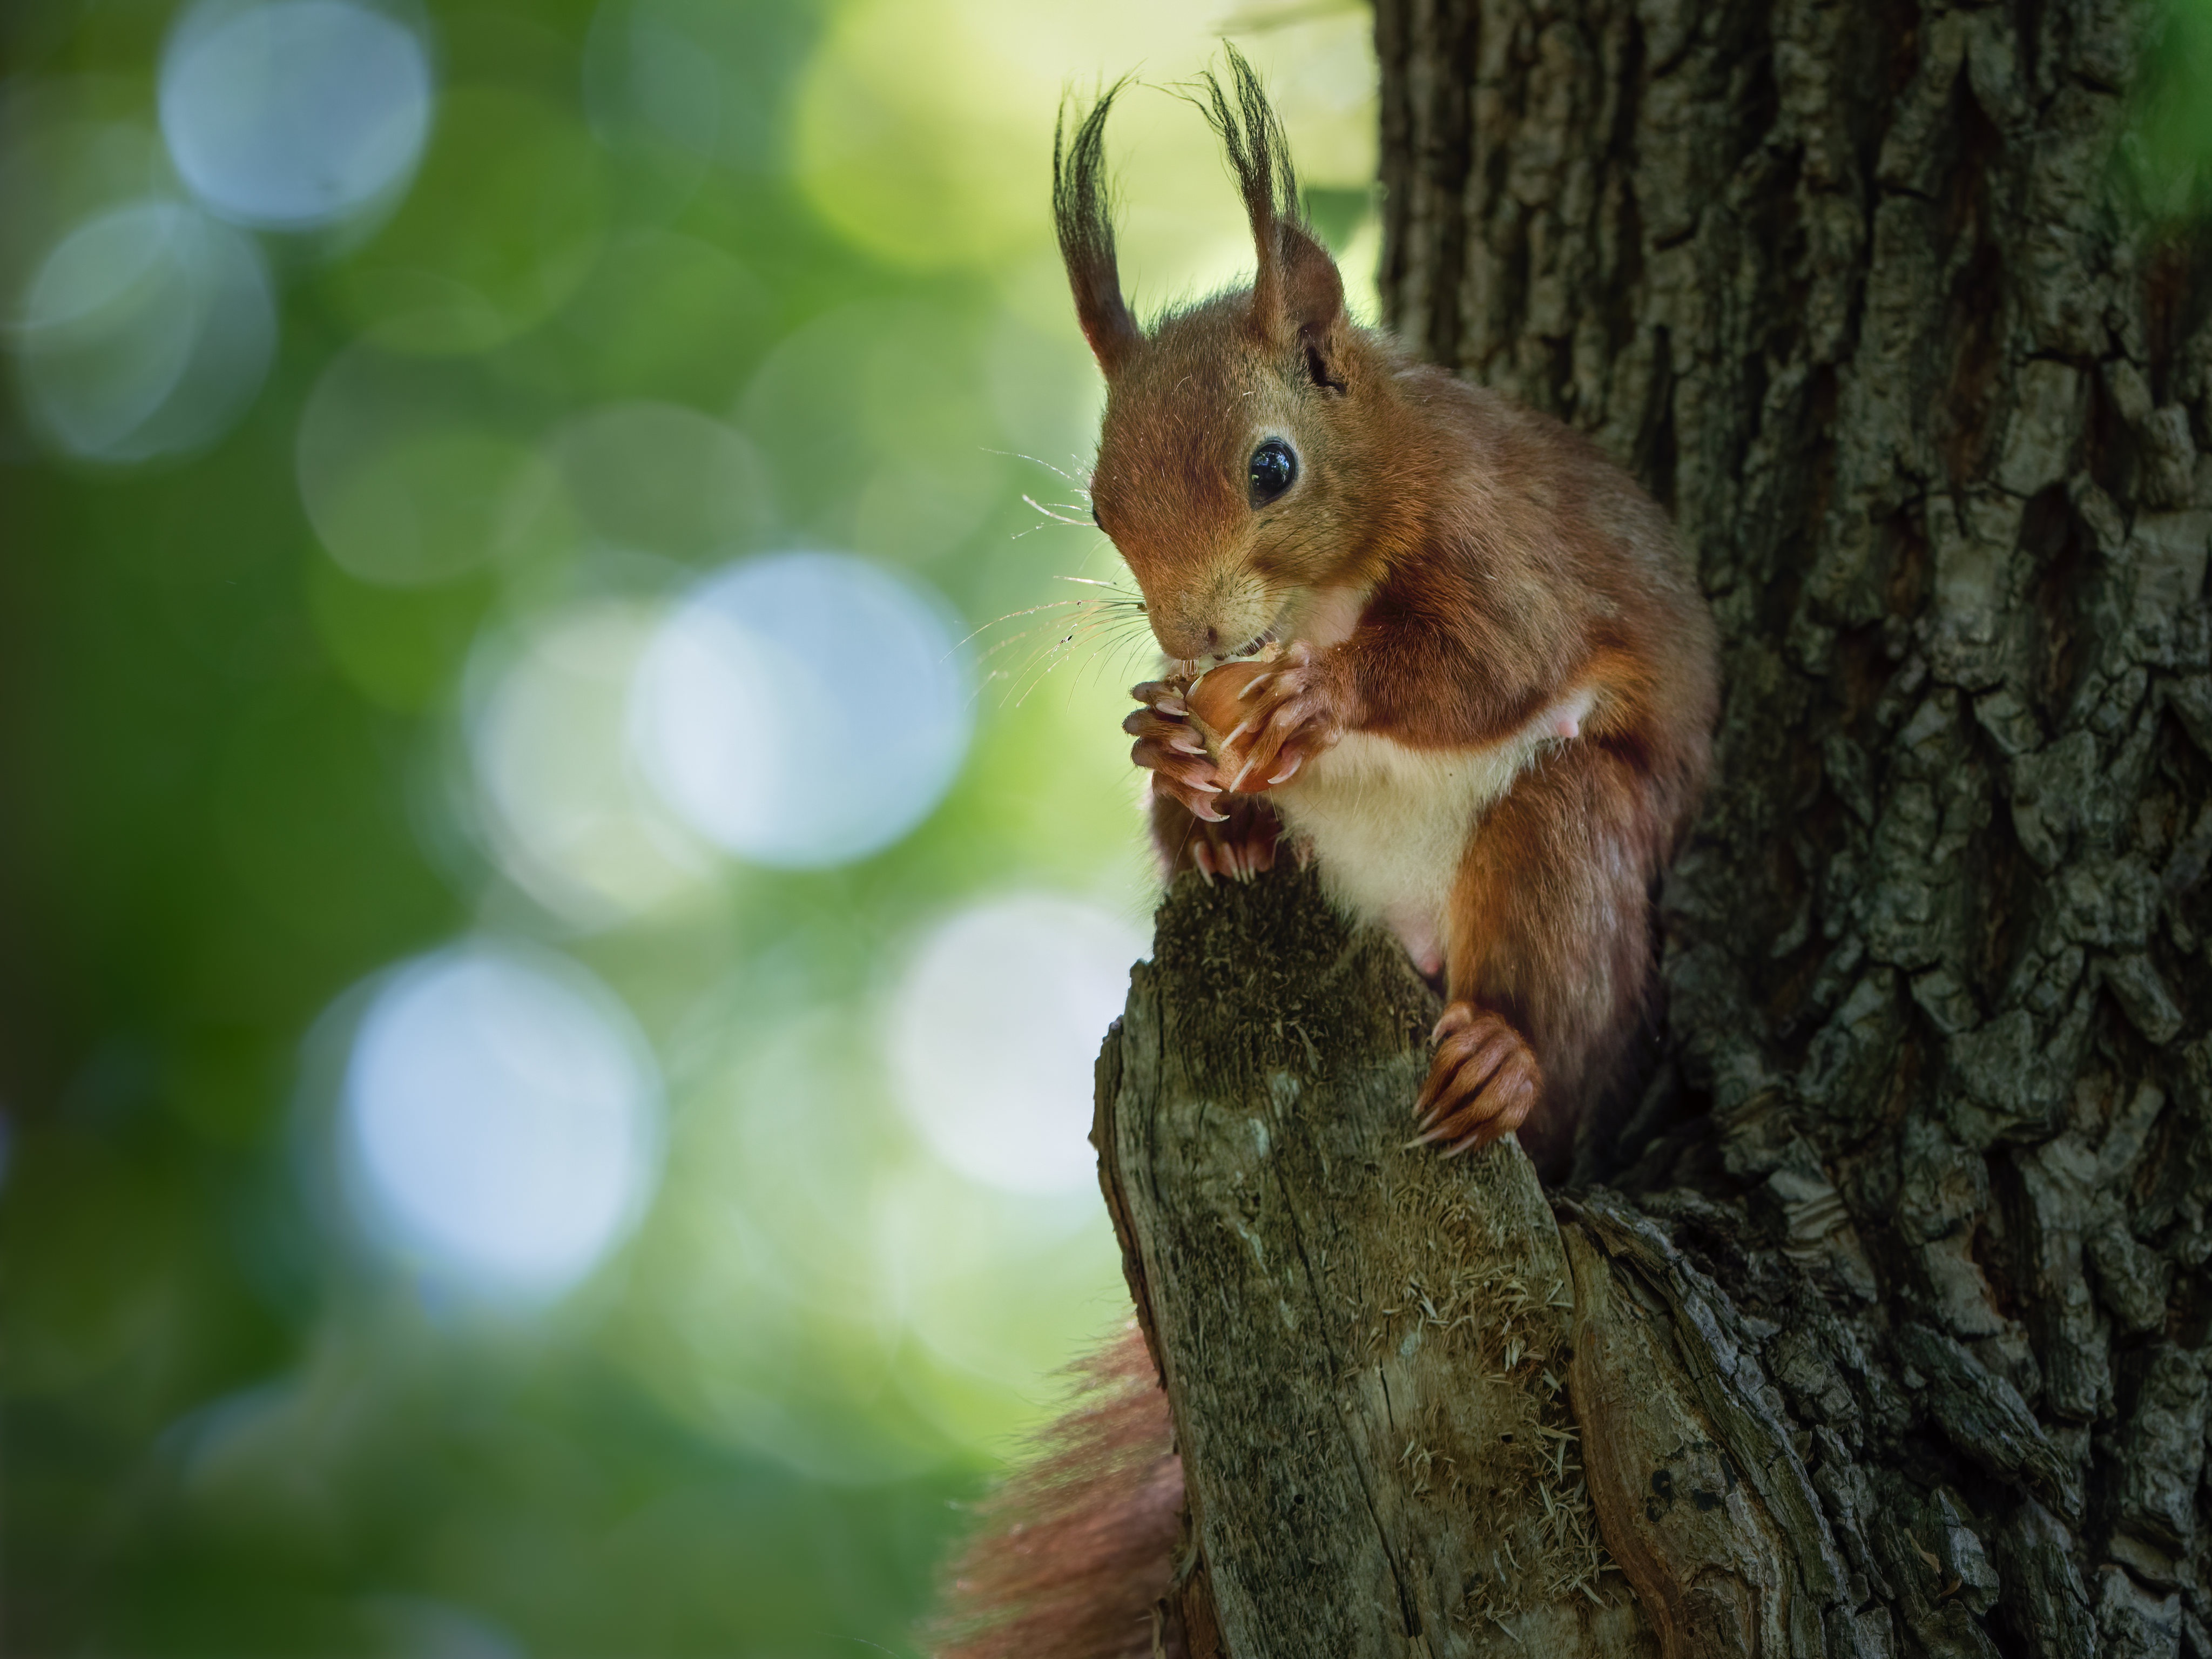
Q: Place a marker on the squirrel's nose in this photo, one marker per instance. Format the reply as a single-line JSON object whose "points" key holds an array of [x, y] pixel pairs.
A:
{"points": [[1182, 636]]}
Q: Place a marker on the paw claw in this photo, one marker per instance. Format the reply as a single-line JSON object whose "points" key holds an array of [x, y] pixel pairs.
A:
{"points": [[1242, 848], [1288, 715], [1482, 1083]]}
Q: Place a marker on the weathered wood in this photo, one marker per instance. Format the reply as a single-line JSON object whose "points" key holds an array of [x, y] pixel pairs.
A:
{"points": [[1365, 1345], [1700, 1495]]}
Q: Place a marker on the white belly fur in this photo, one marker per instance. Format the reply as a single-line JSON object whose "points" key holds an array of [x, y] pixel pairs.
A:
{"points": [[1389, 824]]}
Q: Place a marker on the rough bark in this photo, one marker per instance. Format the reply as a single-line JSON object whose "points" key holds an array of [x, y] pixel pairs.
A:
{"points": [[1899, 1279]]}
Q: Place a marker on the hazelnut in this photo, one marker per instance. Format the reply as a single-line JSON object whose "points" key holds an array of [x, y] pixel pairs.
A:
{"points": [[1217, 700]]}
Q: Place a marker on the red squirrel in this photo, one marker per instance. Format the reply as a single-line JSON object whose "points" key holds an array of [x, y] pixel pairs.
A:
{"points": [[1488, 717], [1444, 644]]}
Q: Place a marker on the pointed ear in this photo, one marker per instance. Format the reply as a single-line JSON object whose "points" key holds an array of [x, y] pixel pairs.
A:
{"points": [[1082, 212], [1297, 293], [1311, 291]]}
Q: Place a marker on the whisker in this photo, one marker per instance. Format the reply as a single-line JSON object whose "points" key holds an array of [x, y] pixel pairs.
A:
{"points": [[1115, 645], [1117, 641], [1025, 637], [1062, 517], [1042, 655], [1038, 665], [1031, 611], [1097, 632], [1081, 484]]}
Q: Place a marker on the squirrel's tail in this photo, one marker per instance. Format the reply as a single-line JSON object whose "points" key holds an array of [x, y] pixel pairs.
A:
{"points": [[1070, 1556]]}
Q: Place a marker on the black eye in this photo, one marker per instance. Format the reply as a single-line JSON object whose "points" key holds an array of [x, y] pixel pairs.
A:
{"points": [[1274, 468]]}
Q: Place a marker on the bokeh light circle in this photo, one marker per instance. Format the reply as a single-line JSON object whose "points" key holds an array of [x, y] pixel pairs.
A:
{"points": [[146, 331], [644, 71], [994, 1032], [412, 476], [293, 114], [503, 223], [802, 710], [658, 477], [561, 804], [499, 1125], [61, 164]]}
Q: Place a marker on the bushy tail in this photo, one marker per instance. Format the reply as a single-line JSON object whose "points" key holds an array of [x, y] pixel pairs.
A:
{"points": [[1070, 1555]]}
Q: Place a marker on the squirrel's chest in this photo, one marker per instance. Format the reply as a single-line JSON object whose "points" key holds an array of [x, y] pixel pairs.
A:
{"points": [[1389, 826]]}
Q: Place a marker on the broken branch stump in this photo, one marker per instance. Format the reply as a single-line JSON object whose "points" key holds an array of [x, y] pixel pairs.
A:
{"points": [[1366, 1346]]}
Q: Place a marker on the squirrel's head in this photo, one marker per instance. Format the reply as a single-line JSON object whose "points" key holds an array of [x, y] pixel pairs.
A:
{"points": [[1241, 435]]}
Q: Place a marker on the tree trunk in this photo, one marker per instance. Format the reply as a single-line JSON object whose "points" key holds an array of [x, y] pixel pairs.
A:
{"points": [[1891, 1332]]}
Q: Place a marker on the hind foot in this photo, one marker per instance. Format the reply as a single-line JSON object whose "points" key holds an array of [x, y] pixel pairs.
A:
{"points": [[1242, 845], [1483, 1083]]}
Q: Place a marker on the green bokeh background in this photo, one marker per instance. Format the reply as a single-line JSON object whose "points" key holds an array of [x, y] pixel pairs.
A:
{"points": [[602, 342], [633, 316]]}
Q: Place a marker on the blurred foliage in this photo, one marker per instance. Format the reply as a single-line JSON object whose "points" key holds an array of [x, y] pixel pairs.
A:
{"points": [[2166, 151], [337, 677]]}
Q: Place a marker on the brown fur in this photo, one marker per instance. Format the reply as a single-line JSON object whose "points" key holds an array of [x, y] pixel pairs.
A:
{"points": [[1071, 1555], [1450, 573], [1552, 906]]}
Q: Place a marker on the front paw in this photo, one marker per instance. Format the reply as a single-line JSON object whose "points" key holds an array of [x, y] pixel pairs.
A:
{"points": [[1171, 751], [1483, 1083], [1284, 717]]}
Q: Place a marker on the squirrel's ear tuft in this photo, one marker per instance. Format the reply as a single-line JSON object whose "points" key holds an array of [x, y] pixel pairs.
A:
{"points": [[1082, 212], [1298, 292]]}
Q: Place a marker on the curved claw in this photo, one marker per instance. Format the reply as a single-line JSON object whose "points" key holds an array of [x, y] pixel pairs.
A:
{"points": [[1238, 841], [1168, 748], [1187, 778], [1482, 1085], [1291, 715], [1165, 695], [1174, 733]]}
